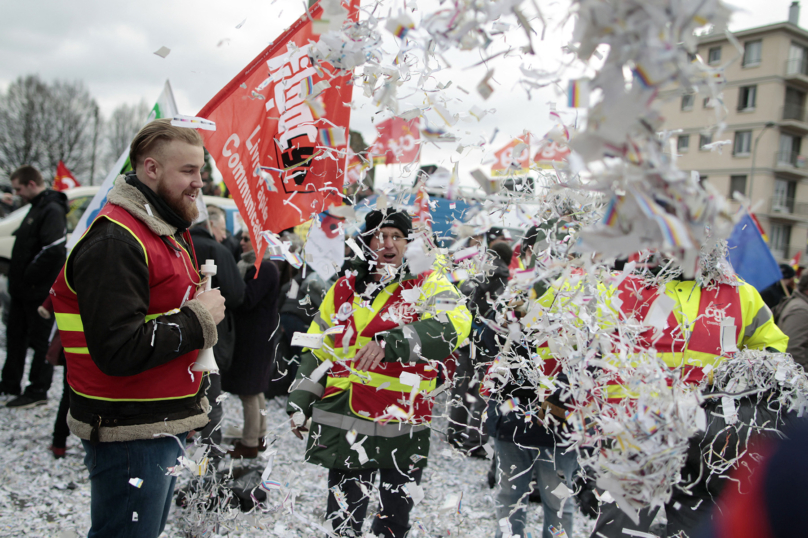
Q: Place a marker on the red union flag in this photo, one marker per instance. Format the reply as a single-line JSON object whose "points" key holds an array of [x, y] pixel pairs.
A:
{"points": [[398, 141], [795, 261], [281, 133], [509, 164], [64, 178], [551, 152], [356, 167]]}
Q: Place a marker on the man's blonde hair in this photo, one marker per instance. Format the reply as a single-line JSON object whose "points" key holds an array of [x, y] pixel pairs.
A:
{"points": [[157, 133]]}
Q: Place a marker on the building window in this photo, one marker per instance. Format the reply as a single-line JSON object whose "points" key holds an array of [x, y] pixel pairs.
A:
{"points": [[780, 239], [687, 101], [797, 57], [705, 139], [789, 150], [794, 108], [743, 143], [708, 102], [752, 51], [737, 184], [714, 55], [783, 197], [682, 143], [747, 95]]}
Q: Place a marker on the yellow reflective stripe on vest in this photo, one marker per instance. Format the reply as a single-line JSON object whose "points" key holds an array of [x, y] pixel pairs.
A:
{"points": [[362, 317], [620, 391], [341, 383], [77, 350], [72, 322], [377, 380], [690, 358], [69, 322], [141, 399]]}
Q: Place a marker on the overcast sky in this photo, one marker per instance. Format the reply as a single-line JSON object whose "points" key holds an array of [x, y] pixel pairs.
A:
{"points": [[110, 45]]}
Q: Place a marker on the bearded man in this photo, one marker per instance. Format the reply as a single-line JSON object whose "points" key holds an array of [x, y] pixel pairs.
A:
{"points": [[132, 321]]}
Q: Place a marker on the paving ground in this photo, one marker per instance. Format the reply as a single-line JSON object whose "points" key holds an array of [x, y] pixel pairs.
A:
{"points": [[42, 496]]}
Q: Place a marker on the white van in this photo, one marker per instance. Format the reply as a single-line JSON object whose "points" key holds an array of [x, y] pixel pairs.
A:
{"points": [[78, 199]]}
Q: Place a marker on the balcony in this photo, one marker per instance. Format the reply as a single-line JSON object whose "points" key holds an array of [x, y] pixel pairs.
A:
{"points": [[791, 163], [794, 117], [797, 71], [788, 209]]}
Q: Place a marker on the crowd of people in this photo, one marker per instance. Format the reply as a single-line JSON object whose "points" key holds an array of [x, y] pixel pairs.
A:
{"points": [[380, 343]]}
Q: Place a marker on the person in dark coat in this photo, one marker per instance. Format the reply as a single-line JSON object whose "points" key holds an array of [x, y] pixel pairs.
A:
{"points": [[780, 289], [793, 322], [257, 324], [36, 259], [523, 443], [207, 237], [296, 313], [465, 429]]}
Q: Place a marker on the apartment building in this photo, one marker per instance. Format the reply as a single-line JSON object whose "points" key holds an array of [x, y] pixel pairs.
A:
{"points": [[767, 119]]}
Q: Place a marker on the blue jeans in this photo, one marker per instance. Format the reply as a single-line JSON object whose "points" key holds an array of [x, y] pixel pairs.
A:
{"points": [[513, 494], [114, 501]]}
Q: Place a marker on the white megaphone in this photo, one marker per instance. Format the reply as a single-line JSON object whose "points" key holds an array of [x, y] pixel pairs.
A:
{"points": [[205, 361]]}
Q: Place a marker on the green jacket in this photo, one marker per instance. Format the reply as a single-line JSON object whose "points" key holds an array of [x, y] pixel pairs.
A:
{"points": [[377, 419]]}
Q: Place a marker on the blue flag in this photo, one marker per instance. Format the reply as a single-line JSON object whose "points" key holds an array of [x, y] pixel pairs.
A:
{"points": [[750, 255]]}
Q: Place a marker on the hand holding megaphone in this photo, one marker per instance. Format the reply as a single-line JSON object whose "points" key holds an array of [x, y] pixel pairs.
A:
{"points": [[214, 302]]}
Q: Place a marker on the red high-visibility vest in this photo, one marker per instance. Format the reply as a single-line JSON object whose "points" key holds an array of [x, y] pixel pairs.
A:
{"points": [[692, 349], [169, 283], [371, 398]]}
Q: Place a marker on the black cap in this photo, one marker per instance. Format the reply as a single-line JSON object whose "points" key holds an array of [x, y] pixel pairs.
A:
{"points": [[529, 240], [495, 232], [787, 270], [387, 217]]}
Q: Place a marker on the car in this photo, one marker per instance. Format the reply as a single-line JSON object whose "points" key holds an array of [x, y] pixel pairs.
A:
{"points": [[78, 199]]}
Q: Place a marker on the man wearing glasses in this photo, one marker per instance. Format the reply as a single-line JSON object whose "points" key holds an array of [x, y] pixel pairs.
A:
{"points": [[374, 357]]}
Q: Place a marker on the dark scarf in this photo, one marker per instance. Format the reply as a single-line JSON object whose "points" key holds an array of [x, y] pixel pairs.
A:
{"points": [[168, 214]]}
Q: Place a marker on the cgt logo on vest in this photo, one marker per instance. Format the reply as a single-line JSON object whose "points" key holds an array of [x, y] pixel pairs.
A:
{"points": [[714, 315], [294, 79], [400, 313]]}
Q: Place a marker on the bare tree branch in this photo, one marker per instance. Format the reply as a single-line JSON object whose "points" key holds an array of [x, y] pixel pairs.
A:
{"points": [[123, 125], [41, 124]]}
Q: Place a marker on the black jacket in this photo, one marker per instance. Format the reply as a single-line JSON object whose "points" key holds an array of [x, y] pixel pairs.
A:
{"points": [[512, 426], [488, 288], [231, 286], [313, 288], [110, 275], [233, 246], [39, 248], [773, 294], [257, 332]]}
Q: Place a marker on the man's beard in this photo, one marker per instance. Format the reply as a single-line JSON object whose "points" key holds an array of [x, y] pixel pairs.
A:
{"points": [[183, 207]]}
